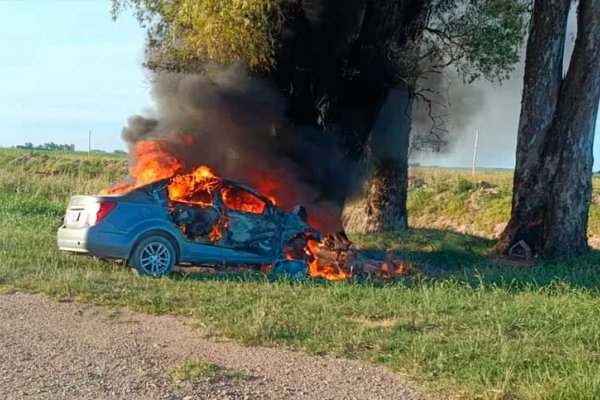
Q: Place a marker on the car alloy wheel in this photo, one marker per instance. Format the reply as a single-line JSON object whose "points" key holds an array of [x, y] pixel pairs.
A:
{"points": [[155, 258]]}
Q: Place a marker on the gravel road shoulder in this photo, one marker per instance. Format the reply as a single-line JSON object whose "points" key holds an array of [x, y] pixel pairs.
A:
{"points": [[72, 350]]}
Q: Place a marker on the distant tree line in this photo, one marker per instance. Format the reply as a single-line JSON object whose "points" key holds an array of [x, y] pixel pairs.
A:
{"points": [[47, 146], [60, 147]]}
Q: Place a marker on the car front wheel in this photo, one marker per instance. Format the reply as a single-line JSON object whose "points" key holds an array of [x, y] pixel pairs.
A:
{"points": [[153, 256]]}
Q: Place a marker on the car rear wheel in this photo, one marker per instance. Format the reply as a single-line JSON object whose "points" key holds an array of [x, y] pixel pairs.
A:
{"points": [[153, 256]]}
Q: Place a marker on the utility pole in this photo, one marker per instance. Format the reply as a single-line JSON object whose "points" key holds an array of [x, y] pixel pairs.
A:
{"points": [[475, 151], [90, 142]]}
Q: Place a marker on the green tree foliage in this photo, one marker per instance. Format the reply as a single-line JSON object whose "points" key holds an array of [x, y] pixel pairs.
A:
{"points": [[184, 34], [481, 38]]}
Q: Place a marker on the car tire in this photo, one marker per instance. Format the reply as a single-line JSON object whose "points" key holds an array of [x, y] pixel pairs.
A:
{"points": [[153, 256]]}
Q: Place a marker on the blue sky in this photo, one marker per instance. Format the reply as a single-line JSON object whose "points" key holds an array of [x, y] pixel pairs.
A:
{"points": [[67, 68]]}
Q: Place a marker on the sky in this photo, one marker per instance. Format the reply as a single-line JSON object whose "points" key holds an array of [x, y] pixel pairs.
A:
{"points": [[68, 68], [495, 111]]}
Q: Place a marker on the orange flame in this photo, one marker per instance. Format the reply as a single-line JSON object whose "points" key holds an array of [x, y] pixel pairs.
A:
{"points": [[268, 187], [329, 271], [240, 200], [151, 162], [216, 234], [195, 188], [119, 188]]}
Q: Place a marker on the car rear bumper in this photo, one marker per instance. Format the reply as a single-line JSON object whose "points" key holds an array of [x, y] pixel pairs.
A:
{"points": [[94, 240], [74, 240]]}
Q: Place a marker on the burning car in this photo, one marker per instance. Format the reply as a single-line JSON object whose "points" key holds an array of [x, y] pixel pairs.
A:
{"points": [[195, 218]]}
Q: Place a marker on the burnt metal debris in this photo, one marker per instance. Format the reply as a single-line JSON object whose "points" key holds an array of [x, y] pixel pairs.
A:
{"points": [[337, 249], [196, 222], [264, 231], [336, 257]]}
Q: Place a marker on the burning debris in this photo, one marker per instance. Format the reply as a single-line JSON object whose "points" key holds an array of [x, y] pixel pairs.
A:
{"points": [[335, 258], [211, 210]]}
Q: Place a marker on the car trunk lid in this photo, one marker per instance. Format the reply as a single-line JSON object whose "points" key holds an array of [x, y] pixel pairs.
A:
{"points": [[81, 208]]}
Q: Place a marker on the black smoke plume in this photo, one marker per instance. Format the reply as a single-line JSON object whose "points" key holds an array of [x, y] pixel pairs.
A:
{"points": [[237, 126]]}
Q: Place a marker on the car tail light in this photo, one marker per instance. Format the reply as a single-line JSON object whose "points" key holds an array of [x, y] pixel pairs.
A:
{"points": [[99, 211]]}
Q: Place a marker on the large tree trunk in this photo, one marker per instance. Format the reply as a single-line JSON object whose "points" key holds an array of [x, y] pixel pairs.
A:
{"points": [[566, 218], [552, 184], [385, 208], [388, 145], [541, 88]]}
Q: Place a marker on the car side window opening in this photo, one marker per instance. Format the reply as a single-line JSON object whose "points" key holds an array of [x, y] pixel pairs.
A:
{"points": [[238, 199], [198, 195]]}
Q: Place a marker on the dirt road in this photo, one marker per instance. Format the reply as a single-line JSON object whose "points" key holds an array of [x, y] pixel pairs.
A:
{"points": [[51, 350]]}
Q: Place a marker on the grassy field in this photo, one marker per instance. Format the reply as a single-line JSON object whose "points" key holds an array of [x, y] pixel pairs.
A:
{"points": [[475, 204], [460, 325]]}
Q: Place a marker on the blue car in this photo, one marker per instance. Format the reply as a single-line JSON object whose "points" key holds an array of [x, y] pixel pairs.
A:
{"points": [[153, 233]]}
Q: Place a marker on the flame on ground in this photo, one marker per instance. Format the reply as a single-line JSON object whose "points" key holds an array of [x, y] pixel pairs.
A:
{"points": [[332, 271]]}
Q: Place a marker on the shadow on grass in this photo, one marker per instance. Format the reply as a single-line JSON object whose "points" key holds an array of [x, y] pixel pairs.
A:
{"points": [[440, 255]]}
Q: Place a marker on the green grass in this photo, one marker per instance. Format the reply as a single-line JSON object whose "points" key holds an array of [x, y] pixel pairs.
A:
{"points": [[460, 325], [203, 371], [476, 204]]}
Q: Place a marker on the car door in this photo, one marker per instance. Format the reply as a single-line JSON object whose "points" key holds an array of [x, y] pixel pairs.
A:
{"points": [[195, 247], [252, 224]]}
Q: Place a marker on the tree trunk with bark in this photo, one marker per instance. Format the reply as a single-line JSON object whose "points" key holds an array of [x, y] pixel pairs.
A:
{"points": [[388, 145], [385, 208], [552, 182]]}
